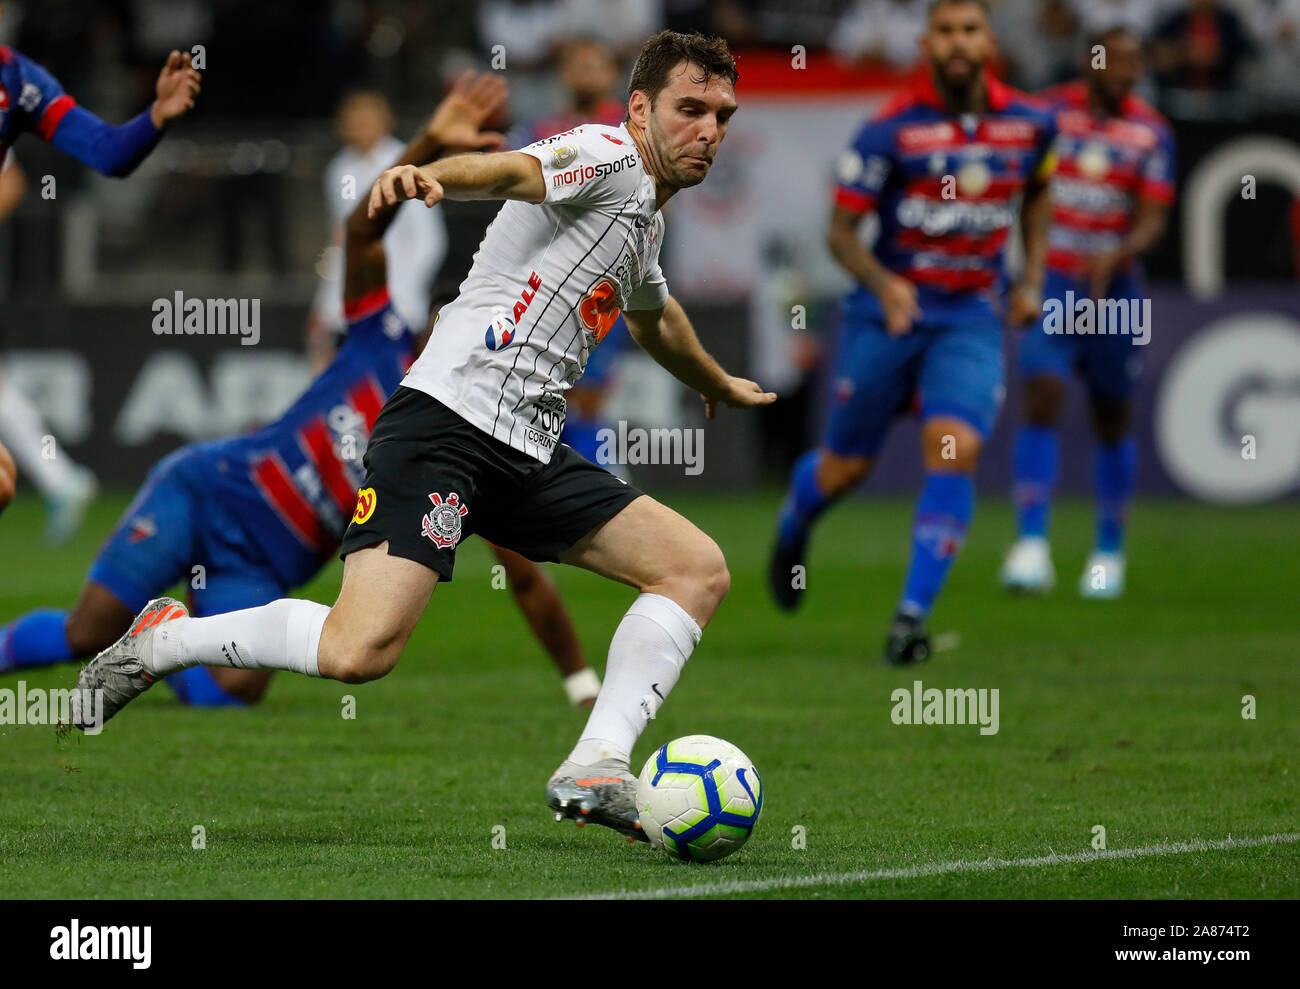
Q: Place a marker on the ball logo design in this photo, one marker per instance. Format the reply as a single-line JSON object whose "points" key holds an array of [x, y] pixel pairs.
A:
{"points": [[500, 332]]}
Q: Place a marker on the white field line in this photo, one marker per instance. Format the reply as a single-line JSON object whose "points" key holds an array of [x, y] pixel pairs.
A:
{"points": [[732, 887]]}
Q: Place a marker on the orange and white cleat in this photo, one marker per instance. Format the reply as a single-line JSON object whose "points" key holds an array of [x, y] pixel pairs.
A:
{"points": [[118, 675]]}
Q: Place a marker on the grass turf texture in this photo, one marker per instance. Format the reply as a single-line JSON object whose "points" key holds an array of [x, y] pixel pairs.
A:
{"points": [[1126, 714]]}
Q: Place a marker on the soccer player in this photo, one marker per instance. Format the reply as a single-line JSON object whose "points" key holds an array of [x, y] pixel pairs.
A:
{"points": [[32, 101], [243, 520], [468, 445], [940, 166], [1110, 201]]}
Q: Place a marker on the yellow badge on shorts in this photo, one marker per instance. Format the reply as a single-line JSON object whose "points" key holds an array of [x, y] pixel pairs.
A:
{"points": [[366, 501]]}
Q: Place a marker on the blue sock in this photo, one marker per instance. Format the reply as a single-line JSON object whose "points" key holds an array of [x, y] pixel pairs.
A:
{"points": [[804, 501], [196, 687], [1114, 471], [1037, 454], [36, 639], [943, 515]]}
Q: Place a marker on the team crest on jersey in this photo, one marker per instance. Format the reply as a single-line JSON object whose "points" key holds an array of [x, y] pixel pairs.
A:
{"points": [[30, 98], [366, 501], [1094, 161], [142, 527], [500, 332], [443, 525], [563, 154], [974, 178]]}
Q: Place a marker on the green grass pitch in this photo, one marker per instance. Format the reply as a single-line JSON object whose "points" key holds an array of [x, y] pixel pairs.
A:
{"points": [[1122, 714]]}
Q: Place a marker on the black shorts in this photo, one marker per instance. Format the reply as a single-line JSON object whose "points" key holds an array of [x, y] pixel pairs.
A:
{"points": [[432, 479]]}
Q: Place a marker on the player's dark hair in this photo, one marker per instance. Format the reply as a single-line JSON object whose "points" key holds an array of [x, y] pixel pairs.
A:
{"points": [[668, 49], [936, 4], [1108, 32]]}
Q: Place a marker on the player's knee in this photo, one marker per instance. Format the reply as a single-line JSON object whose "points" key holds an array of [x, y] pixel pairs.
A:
{"points": [[950, 446], [1043, 397], [709, 575], [357, 656], [838, 475], [1111, 420]]}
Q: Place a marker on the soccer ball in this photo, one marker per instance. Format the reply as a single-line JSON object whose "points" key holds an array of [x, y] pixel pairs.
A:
{"points": [[699, 798]]}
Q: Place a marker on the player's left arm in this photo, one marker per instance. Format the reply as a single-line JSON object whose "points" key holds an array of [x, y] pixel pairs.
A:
{"points": [[667, 335], [112, 150], [1026, 300]]}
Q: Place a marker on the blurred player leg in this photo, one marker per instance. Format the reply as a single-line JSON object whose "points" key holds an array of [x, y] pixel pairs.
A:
{"points": [[68, 488], [540, 601], [874, 379], [1028, 565]]}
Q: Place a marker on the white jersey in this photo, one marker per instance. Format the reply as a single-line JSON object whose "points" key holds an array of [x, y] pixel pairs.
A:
{"points": [[547, 283]]}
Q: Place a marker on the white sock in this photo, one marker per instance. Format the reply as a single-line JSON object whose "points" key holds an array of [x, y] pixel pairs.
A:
{"points": [[24, 434], [282, 635], [650, 646]]}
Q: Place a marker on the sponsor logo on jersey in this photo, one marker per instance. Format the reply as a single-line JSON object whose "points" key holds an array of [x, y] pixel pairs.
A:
{"points": [[599, 308], [366, 501], [500, 332], [443, 525], [563, 154], [526, 296], [937, 218], [585, 173]]}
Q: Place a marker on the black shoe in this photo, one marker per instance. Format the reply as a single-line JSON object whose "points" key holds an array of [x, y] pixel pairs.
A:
{"points": [[908, 643], [786, 586]]}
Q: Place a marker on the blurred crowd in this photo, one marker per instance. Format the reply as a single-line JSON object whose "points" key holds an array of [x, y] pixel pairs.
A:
{"points": [[290, 83]]}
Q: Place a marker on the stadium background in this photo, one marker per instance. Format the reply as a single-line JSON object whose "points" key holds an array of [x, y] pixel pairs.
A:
{"points": [[232, 205]]}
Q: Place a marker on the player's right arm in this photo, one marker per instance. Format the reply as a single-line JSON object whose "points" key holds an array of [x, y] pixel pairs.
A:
{"points": [[863, 171], [455, 126], [506, 175]]}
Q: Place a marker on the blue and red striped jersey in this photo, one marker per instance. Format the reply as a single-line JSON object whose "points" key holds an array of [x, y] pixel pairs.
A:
{"points": [[298, 477], [1105, 165], [944, 186]]}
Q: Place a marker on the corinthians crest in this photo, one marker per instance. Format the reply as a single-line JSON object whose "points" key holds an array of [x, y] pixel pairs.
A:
{"points": [[442, 525]]}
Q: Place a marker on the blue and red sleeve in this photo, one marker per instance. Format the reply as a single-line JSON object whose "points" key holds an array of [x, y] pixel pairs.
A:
{"points": [[865, 167], [1158, 169], [54, 116]]}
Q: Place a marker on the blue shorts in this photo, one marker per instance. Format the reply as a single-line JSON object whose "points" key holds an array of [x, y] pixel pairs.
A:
{"points": [[173, 526], [1110, 364], [951, 362]]}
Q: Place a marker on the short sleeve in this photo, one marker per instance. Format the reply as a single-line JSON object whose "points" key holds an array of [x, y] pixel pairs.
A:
{"points": [[41, 102], [1044, 163], [1157, 175], [592, 166], [864, 167], [653, 293]]}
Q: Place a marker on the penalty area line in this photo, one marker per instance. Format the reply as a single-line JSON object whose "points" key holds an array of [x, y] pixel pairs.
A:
{"points": [[732, 887]]}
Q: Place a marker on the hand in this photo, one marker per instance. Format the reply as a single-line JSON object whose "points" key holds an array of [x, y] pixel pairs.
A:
{"points": [[178, 85], [898, 299], [738, 393], [402, 183], [1101, 268], [470, 104], [1025, 304]]}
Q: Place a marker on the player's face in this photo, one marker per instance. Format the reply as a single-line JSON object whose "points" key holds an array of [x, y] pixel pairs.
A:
{"points": [[958, 43], [589, 72], [687, 122], [1123, 68]]}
